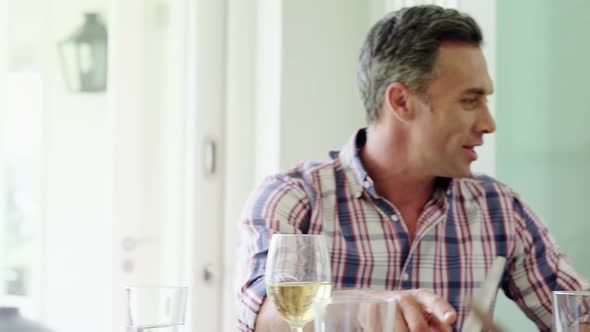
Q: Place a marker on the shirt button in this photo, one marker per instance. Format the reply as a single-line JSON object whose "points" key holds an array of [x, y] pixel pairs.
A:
{"points": [[395, 218], [406, 276]]}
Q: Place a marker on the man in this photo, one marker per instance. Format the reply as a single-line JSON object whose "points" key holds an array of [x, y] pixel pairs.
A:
{"points": [[398, 205]]}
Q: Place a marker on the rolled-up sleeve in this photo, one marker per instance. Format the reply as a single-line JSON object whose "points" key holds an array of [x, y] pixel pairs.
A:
{"points": [[537, 267], [279, 205]]}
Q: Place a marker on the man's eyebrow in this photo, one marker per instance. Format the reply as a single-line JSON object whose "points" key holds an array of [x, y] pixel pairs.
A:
{"points": [[478, 91]]}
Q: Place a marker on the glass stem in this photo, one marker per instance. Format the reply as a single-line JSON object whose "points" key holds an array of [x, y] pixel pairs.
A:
{"points": [[297, 329]]}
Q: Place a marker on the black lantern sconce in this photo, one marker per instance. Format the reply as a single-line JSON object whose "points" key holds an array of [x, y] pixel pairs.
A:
{"points": [[84, 56]]}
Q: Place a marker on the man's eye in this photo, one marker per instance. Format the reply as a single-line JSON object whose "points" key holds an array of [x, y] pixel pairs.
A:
{"points": [[470, 102]]}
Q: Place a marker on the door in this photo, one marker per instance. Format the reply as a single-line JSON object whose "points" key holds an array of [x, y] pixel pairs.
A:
{"points": [[166, 109]]}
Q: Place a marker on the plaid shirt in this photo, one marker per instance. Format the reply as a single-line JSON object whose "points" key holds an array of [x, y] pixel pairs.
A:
{"points": [[465, 224]]}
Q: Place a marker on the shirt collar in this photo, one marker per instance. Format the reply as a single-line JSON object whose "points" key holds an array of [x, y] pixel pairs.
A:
{"points": [[359, 180], [350, 160]]}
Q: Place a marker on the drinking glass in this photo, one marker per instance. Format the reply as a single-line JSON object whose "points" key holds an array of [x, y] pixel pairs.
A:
{"points": [[297, 272], [354, 314], [571, 311], [156, 309]]}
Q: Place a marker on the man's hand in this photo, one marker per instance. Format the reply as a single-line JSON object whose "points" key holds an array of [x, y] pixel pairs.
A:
{"points": [[417, 310]]}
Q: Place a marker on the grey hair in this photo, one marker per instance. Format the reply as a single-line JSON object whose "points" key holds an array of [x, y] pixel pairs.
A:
{"points": [[402, 47]]}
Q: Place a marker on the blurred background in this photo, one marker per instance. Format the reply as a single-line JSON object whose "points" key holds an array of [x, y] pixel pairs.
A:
{"points": [[131, 133]]}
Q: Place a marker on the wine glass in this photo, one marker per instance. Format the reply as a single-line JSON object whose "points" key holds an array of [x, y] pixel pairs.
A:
{"points": [[571, 311], [297, 273]]}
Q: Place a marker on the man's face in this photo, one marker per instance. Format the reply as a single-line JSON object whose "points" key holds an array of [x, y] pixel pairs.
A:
{"points": [[453, 121]]}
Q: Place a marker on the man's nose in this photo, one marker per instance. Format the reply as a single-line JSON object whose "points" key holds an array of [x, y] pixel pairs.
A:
{"points": [[486, 123]]}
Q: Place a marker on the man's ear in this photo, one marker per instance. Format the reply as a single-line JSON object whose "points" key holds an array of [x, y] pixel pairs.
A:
{"points": [[397, 101]]}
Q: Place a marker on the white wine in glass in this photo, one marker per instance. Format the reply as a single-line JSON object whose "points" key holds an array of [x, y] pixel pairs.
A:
{"points": [[297, 273]]}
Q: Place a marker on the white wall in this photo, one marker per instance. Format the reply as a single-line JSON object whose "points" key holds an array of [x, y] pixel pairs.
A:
{"points": [[484, 12], [77, 224], [320, 106]]}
